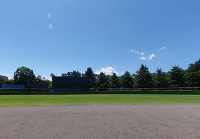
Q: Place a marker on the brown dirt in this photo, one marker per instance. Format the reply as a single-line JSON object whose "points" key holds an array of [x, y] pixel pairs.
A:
{"points": [[101, 122]]}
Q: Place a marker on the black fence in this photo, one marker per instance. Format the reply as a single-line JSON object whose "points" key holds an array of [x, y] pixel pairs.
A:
{"points": [[166, 91]]}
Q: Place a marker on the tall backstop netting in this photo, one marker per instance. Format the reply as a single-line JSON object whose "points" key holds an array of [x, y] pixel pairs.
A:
{"points": [[70, 83]]}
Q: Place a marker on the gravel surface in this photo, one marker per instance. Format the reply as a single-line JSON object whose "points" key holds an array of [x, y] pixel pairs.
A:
{"points": [[101, 122]]}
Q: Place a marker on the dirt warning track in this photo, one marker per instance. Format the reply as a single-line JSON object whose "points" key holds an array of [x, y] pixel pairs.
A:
{"points": [[101, 122]]}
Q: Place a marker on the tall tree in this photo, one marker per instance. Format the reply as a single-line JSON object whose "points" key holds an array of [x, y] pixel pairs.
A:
{"points": [[49, 83], [38, 78], [64, 74], [3, 79], [193, 74], [127, 80], [103, 80], [74, 73], [160, 79], [10, 81], [143, 77], [114, 81], [24, 75], [177, 76], [91, 77], [52, 75]]}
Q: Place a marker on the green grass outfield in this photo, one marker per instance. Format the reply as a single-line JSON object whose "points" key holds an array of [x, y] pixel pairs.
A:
{"points": [[45, 100]]}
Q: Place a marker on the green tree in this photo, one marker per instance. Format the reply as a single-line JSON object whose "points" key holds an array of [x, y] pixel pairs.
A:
{"points": [[65, 74], [91, 77], [52, 75], [49, 83], [160, 79], [193, 74], [177, 77], [24, 75], [74, 73], [127, 80], [103, 80], [3, 79], [114, 81], [10, 81], [38, 79], [143, 77]]}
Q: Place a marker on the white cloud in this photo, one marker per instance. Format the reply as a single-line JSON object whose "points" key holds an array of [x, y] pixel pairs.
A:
{"points": [[107, 71], [135, 52], [50, 26], [151, 56], [49, 15], [163, 48], [142, 53], [143, 58]]}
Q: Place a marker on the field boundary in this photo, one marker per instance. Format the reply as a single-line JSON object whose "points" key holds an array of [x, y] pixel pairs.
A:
{"points": [[68, 92]]}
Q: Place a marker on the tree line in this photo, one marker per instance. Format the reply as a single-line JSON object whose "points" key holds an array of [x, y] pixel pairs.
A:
{"points": [[176, 77]]}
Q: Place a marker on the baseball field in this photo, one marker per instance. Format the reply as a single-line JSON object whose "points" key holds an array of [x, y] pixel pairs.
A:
{"points": [[100, 116]]}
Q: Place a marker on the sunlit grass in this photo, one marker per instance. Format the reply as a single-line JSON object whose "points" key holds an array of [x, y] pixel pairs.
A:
{"points": [[43, 100]]}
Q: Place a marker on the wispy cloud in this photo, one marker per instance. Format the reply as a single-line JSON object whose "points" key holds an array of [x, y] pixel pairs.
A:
{"points": [[143, 58], [50, 26], [162, 48], [142, 53], [108, 71], [151, 57], [133, 51], [146, 55], [49, 15]]}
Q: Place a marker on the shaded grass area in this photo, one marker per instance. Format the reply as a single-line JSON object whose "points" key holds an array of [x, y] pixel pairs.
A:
{"points": [[44, 100]]}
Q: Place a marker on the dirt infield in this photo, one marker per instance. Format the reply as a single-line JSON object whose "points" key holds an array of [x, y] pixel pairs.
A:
{"points": [[101, 122]]}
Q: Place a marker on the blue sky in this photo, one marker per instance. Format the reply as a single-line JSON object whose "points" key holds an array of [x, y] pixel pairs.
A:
{"points": [[57, 36]]}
